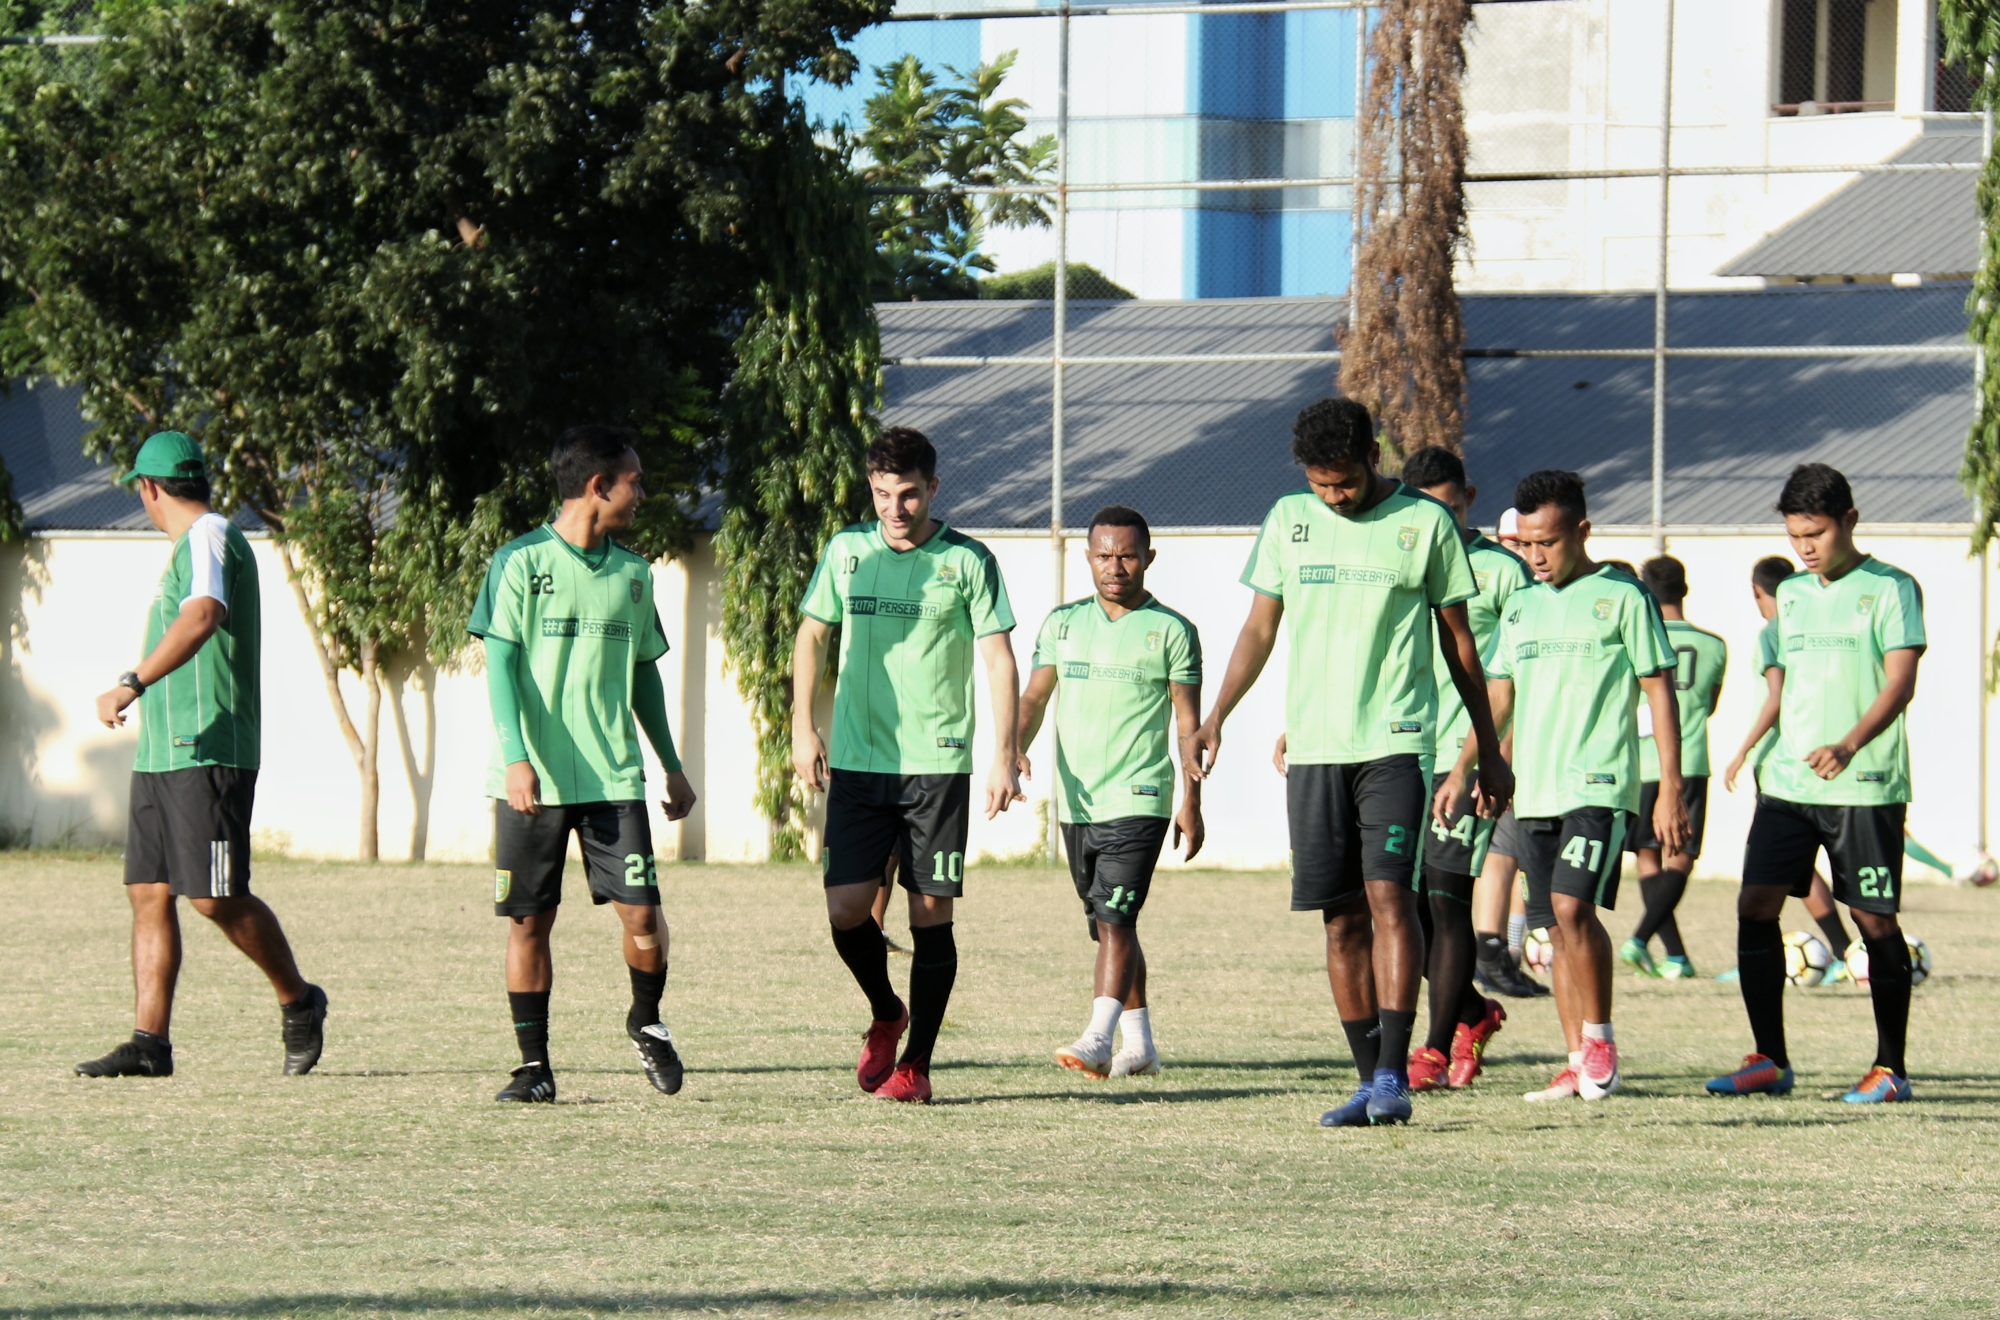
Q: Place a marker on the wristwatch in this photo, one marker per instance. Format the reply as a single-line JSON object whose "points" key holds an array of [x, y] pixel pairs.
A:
{"points": [[130, 679]]}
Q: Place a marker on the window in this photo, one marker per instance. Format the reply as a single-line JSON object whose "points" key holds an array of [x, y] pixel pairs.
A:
{"points": [[1836, 56]]}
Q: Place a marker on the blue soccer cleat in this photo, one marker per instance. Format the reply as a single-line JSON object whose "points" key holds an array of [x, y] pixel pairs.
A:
{"points": [[1758, 1076], [1390, 1102], [1352, 1114], [1878, 1087]]}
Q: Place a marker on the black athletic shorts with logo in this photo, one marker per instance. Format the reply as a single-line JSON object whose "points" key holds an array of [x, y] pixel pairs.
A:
{"points": [[1506, 835], [1694, 796], [190, 830], [1579, 854], [1864, 848], [921, 818], [1458, 846], [1353, 823], [528, 853], [1112, 863]]}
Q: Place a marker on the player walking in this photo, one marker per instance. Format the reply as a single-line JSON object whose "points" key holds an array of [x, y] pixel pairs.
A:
{"points": [[1126, 666], [1700, 659], [913, 599], [571, 639], [194, 777], [1356, 567], [1575, 652], [1850, 634]]}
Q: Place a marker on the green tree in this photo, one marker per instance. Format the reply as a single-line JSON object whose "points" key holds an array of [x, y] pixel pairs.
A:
{"points": [[1972, 41]]}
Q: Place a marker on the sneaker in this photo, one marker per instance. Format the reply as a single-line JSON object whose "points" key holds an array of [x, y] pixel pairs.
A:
{"points": [[1429, 1069], [131, 1059], [1729, 975], [1132, 1062], [878, 1050], [1636, 956], [1836, 972], [1597, 1077], [909, 1084], [305, 1032], [1091, 1056], [1878, 1086], [657, 1057], [1676, 968], [1504, 978], [533, 1084], [1390, 1101], [1468, 1045], [1758, 1076], [1354, 1113], [1563, 1087]]}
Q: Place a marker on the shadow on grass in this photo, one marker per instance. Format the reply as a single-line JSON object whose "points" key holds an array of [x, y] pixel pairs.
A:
{"points": [[1202, 1095]]}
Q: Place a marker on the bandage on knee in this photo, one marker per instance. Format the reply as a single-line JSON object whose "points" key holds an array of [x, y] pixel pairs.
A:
{"points": [[645, 942]]}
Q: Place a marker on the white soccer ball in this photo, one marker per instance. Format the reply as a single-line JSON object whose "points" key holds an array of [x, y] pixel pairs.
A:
{"points": [[1538, 951], [1920, 960], [1806, 958]]}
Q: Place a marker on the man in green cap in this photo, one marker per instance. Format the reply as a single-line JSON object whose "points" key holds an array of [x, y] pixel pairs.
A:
{"points": [[196, 771]]}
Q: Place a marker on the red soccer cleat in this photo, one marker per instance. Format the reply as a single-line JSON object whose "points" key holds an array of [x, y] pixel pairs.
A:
{"points": [[1468, 1045], [878, 1051], [909, 1084], [1428, 1069]]}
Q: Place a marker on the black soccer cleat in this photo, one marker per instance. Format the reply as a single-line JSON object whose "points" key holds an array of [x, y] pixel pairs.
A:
{"points": [[1504, 978], [131, 1059], [657, 1057], [533, 1084], [305, 1032]]}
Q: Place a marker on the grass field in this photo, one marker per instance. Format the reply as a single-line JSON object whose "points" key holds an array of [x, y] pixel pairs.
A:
{"points": [[388, 1183]]}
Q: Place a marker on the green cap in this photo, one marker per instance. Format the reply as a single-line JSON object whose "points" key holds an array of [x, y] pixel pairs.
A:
{"points": [[167, 456]]}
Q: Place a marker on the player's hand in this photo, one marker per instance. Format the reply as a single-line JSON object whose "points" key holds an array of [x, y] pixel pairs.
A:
{"points": [[111, 706], [1827, 762], [1278, 757], [1730, 771], [1022, 766], [680, 796], [1670, 820], [1450, 796], [1199, 749], [809, 759], [1003, 788], [524, 789], [1188, 826], [1496, 788]]}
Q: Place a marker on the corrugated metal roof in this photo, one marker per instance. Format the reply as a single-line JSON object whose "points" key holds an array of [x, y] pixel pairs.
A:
{"points": [[1883, 224]]}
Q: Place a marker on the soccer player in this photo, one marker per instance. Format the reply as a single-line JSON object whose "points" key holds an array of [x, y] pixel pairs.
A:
{"points": [[1700, 658], [572, 640], [913, 600], [1850, 634], [1356, 567], [194, 777], [1575, 652], [1126, 665], [1462, 1020]]}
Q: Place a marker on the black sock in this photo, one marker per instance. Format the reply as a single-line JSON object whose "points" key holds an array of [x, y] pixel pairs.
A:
{"points": [[1760, 972], [1471, 1005], [1452, 954], [933, 969], [531, 1024], [1836, 934], [860, 947], [647, 990], [1492, 949], [1394, 1052], [150, 1043], [1428, 932], [1364, 1037], [1670, 937], [1661, 894], [1889, 992]]}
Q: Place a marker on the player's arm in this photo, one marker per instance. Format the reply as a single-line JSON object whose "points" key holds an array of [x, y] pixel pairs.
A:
{"points": [[808, 662], [1188, 824], [649, 703], [200, 616], [1670, 816], [1003, 784], [1253, 649], [1034, 705], [1767, 719], [503, 696], [1468, 675], [1899, 685]]}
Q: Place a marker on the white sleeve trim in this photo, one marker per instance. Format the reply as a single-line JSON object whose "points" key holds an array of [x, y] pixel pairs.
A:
{"points": [[208, 546]]}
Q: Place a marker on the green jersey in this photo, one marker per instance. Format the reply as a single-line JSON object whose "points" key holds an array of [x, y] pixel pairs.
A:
{"points": [[908, 620], [583, 620], [1767, 660], [1114, 705], [1576, 656], [207, 712], [1832, 638], [1498, 573], [1358, 594], [1699, 660]]}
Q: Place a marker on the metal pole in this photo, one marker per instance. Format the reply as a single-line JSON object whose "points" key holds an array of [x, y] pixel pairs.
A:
{"points": [[1354, 156], [1057, 550], [1660, 294], [1985, 556]]}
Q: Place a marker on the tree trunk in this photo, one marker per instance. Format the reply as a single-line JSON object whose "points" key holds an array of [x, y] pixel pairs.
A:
{"points": [[422, 776], [362, 751], [371, 749]]}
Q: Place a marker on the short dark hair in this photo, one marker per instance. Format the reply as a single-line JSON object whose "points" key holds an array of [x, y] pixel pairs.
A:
{"points": [[1816, 488], [1622, 565], [1331, 432], [1118, 515], [589, 451], [1434, 465], [1667, 578], [195, 490], [1551, 486], [1769, 571], [901, 449]]}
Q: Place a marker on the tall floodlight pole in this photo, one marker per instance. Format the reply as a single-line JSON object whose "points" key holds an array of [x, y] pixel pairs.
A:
{"points": [[1056, 538], [1660, 292]]}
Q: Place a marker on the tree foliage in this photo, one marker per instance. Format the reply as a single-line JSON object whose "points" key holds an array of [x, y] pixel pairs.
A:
{"points": [[1402, 353], [1972, 41]]}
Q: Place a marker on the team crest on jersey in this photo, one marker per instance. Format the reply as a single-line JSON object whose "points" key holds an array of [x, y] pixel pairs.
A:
{"points": [[1481, 580], [1406, 537], [946, 573], [1865, 605], [1602, 609], [1153, 640], [638, 589]]}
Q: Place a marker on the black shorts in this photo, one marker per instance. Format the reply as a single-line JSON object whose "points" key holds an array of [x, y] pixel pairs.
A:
{"points": [[922, 818], [190, 830], [1112, 863], [1354, 823], [528, 853], [1459, 846], [1579, 854], [1694, 795], [1864, 850]]}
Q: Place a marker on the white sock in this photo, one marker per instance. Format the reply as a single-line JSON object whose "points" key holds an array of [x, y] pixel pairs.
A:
{"points": [[1576, 1058], [1597, 1031], [1103, 1016], [1138, 1028]]}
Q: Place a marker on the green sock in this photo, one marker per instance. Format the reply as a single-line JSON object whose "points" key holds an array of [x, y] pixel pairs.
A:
{"points": [[1926, 856]]}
